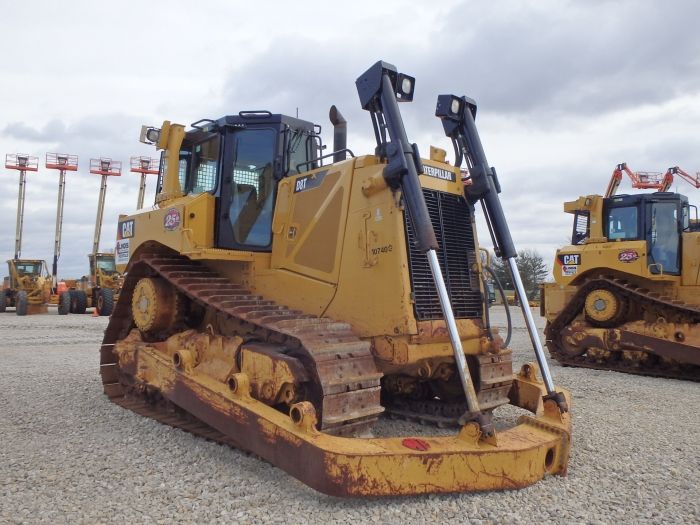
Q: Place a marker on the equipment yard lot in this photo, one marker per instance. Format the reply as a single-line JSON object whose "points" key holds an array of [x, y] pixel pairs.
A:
{"points": [[68, 455]]}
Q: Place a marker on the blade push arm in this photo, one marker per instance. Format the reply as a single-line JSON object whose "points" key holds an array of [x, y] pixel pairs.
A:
{"points": [[457, 115]]}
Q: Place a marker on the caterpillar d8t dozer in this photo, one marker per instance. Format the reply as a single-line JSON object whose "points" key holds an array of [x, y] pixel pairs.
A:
{"points": [[626, 295], [281, 305]]}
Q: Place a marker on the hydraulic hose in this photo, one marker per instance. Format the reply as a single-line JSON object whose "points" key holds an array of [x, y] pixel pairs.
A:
{"points": [[505, 303]]}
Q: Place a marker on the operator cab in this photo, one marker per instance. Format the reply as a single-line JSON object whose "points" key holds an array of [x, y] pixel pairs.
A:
{"points": [[29, 268], [240, 159], [24, 269], [105, 263], [657, 218]]}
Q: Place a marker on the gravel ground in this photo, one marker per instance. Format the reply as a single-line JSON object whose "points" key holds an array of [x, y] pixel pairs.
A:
{"points": [[68, 455]]}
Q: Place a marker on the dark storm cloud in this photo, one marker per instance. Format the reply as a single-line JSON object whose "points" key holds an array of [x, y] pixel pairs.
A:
{"points": [[540, 62], [583, 57]]}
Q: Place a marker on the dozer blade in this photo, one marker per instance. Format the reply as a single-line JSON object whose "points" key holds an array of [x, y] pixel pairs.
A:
{"points": [[341, 466]]}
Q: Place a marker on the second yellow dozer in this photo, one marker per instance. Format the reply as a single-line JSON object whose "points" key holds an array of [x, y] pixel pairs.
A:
{"points": [[626, 295], [282, 306]]}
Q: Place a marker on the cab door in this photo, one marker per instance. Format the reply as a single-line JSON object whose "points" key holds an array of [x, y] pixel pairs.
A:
{"points": [[248, 189], [664, 238]]}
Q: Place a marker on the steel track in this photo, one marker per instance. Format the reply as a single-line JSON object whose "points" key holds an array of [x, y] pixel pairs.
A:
{"points": [[641, 297], [346, 381]]}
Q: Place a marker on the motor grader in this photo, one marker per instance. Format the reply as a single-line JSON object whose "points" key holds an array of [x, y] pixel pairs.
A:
{"points": [[27, 288], [100, 290], [626, 295], [281, 305]]}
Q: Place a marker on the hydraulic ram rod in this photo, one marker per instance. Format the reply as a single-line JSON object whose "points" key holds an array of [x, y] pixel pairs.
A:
{"points": [[379, 88], [457, 115]]}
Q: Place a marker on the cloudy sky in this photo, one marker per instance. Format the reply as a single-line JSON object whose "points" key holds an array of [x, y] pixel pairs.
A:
{"points": [[566, 90]]}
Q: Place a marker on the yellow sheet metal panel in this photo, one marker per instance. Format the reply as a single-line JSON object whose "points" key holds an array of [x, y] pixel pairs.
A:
{"points": [[311, 212], [690, 265], [185, 225]]}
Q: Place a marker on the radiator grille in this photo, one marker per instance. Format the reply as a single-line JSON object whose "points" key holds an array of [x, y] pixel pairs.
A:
{"points": [[451, 216]]}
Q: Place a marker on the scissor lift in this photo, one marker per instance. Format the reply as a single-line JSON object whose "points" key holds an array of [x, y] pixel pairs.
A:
{"points": [[145, 166]]}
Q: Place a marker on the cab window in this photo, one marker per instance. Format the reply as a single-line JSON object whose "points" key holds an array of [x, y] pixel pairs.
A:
{"points": [[299, 153], [582, 227], [665, 238], [106, 264], [253, 187], [622, 223], [29, 268], [182, 170], [205, 165]]}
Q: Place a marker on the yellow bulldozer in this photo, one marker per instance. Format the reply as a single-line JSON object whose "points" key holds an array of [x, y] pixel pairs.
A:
{"points": [[281, 305], [626, 295]]}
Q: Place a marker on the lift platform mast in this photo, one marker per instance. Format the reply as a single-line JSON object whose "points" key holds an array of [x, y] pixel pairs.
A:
{"points": [[644, 180], [105, 167], [145, 166], [22, 163], [62, 162]]}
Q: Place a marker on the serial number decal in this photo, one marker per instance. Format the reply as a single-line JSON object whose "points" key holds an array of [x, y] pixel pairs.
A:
{"points": [[628, 256], [569, 259], [125, 229], [309, 182], [439, 173], [171, 219], [382, 249]]}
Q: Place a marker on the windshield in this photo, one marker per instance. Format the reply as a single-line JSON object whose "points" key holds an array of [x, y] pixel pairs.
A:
{"points": [[106, 264], [622, 223], [28, 268]]}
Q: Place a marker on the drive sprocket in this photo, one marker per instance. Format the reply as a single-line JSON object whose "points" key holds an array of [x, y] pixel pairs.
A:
{"points": [[155, 305]]}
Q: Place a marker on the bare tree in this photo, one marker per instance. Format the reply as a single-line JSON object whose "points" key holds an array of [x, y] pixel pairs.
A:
{"points": [[533, 271]]}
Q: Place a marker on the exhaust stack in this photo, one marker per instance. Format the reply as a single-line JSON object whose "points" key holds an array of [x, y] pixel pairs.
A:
{"points": [[340, 133]]}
